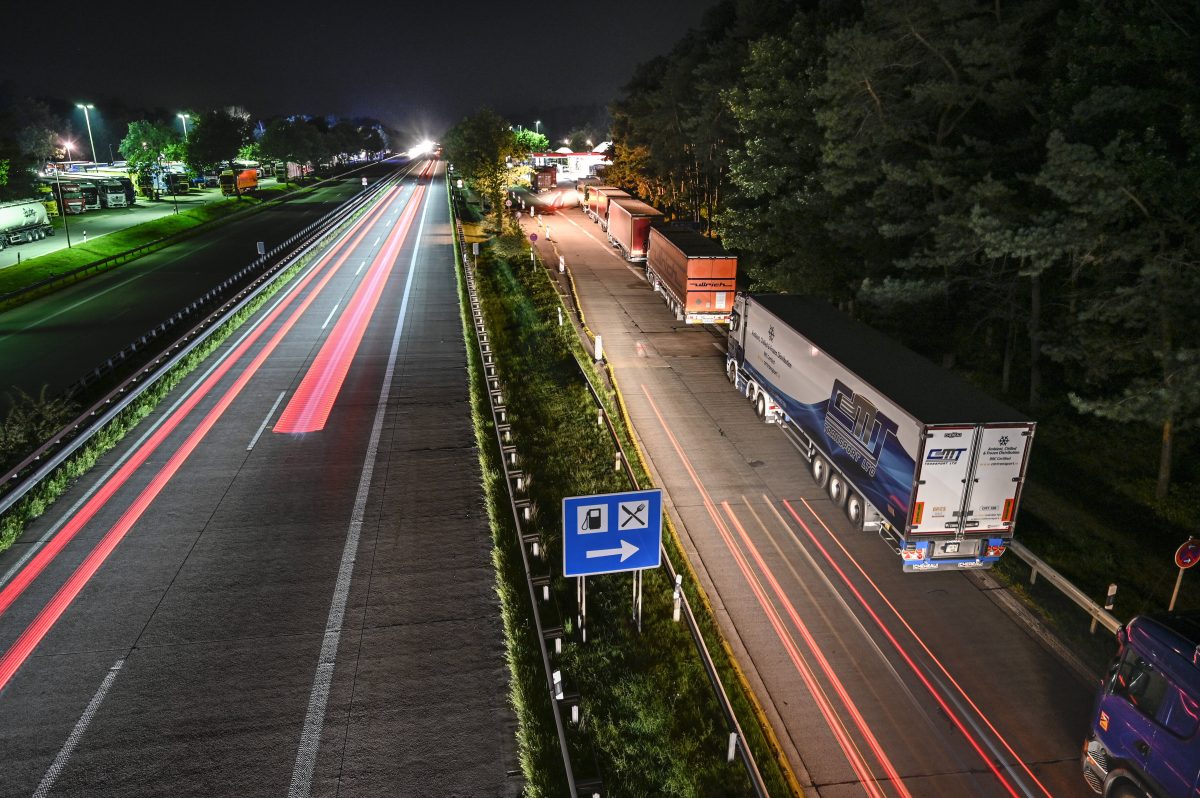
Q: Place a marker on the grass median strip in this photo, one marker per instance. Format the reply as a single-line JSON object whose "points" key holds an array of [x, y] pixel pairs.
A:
{"points": [[649, 713]]}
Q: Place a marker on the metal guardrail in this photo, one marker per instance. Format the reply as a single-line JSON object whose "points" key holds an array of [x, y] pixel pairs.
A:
{"points": [[1039, 567], [743, 750], [515, 482], [43, 462], [710, 668]]}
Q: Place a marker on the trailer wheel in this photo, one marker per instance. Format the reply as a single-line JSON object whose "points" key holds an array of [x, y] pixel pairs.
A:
{"points": [[731, 371], [837, 489], [855, 510], [820, 471], [761, 406]]}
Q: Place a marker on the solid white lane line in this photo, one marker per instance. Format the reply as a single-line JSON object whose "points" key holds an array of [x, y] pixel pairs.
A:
{"points": [[266, 420], [60, 761], [335, 307], [318, 700]]}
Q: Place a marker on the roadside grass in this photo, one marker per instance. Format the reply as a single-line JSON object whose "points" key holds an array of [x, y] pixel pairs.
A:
{"points": [[537, 746], [648, 709]]}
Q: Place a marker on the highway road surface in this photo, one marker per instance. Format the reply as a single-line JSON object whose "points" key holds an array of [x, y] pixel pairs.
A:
{"points": [[281, 584], [877, 682]]}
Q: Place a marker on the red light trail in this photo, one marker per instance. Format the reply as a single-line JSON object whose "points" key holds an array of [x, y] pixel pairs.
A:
{"points": [[848, 746], [309, 408], [37, 630]]}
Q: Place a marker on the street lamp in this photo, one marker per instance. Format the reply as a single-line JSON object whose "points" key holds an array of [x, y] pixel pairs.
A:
{"points": [[88, 119], [539, 126], [185, 118], [62, 202]]}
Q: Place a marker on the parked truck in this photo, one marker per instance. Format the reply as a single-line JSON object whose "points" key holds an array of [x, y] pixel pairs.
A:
{"points": [[694, 273], [67, 194], [629, 222], [543, 178], [23, 221], [238, 182], [109, 191], [1145, 730], [905, 448], [597, 202]]}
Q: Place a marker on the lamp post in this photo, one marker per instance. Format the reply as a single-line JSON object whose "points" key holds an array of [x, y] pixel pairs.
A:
{"points": [[62, 200], [185, 118], [87, 118], [538, 129]]}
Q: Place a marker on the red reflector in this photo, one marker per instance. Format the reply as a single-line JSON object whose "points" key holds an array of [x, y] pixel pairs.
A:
{"points": [[1009, 505], [994, 551], [918, 511]]}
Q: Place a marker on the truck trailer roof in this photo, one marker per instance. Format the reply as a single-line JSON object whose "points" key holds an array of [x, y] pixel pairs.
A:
{"points": [[930, 393], [692, 244], [635, 207]]}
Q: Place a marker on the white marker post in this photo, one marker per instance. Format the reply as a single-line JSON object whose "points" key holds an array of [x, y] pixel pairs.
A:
{"points": [[599, 348]]}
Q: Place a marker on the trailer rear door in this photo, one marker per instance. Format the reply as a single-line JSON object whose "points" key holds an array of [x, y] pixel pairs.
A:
{"points": [[942, 480], [996, 483]]}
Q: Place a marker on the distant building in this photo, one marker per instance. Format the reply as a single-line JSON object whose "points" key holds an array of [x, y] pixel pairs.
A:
{"points": [[573, 165]]}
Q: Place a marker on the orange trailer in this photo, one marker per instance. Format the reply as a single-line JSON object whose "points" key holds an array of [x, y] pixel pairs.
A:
{"points": [[695, 275]]}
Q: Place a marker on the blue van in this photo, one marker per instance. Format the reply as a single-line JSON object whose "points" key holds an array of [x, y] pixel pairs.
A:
{"points": [[1144, 740]]}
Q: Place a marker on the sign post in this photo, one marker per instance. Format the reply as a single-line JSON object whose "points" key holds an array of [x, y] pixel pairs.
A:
{"points": [[1187, 556]]}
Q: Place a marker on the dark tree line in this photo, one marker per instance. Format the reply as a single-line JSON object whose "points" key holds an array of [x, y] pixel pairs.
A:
{"points": [[32, 134], [1011, 184]]}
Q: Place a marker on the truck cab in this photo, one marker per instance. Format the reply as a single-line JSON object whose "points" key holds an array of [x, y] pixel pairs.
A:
{"points": [[1145, 729]]}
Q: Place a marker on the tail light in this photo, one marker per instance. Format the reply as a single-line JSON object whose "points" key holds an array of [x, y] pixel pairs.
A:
{"points": [[913, 554], [994, 551]]}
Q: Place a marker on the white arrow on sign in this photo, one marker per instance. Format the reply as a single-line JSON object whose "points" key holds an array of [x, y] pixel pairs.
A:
{"points": [[626, 551]]}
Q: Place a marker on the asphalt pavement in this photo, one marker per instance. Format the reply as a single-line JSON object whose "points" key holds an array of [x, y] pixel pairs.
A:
{"points": [[874, 680], [248, 610]]}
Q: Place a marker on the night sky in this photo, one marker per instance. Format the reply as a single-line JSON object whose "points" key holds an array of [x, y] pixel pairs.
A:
{"points": [[413, 65]]}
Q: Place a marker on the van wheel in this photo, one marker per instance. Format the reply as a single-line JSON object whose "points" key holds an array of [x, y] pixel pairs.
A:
{"points": [[820, 471], [837, 489], [855, 510]]}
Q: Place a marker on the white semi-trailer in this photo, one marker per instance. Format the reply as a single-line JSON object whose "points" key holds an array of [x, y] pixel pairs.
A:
{"points": [[23, 221], [906, 448]]}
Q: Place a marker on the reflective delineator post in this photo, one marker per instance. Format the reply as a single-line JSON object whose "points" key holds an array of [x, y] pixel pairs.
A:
{"points": [[599, 348], [562, 262], [559, 309], [732, 747], [677, 597]]}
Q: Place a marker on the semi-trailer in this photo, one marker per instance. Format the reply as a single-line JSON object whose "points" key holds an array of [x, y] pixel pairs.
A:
{"points": [[597, 202], [543, 178], [695, 275], [905, 448], [23, 221], [629, 223]]}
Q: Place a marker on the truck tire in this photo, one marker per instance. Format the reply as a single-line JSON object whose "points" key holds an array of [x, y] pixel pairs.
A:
{"points": [[837, 489], [820, 471], [731, 371], [855, 510], [760, 406]]}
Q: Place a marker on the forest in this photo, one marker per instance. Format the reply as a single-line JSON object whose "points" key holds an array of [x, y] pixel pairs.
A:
{"points": [[1009, 187]]}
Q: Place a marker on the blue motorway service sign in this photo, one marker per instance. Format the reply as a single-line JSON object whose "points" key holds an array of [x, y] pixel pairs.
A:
{"points": [[612, 532]]}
